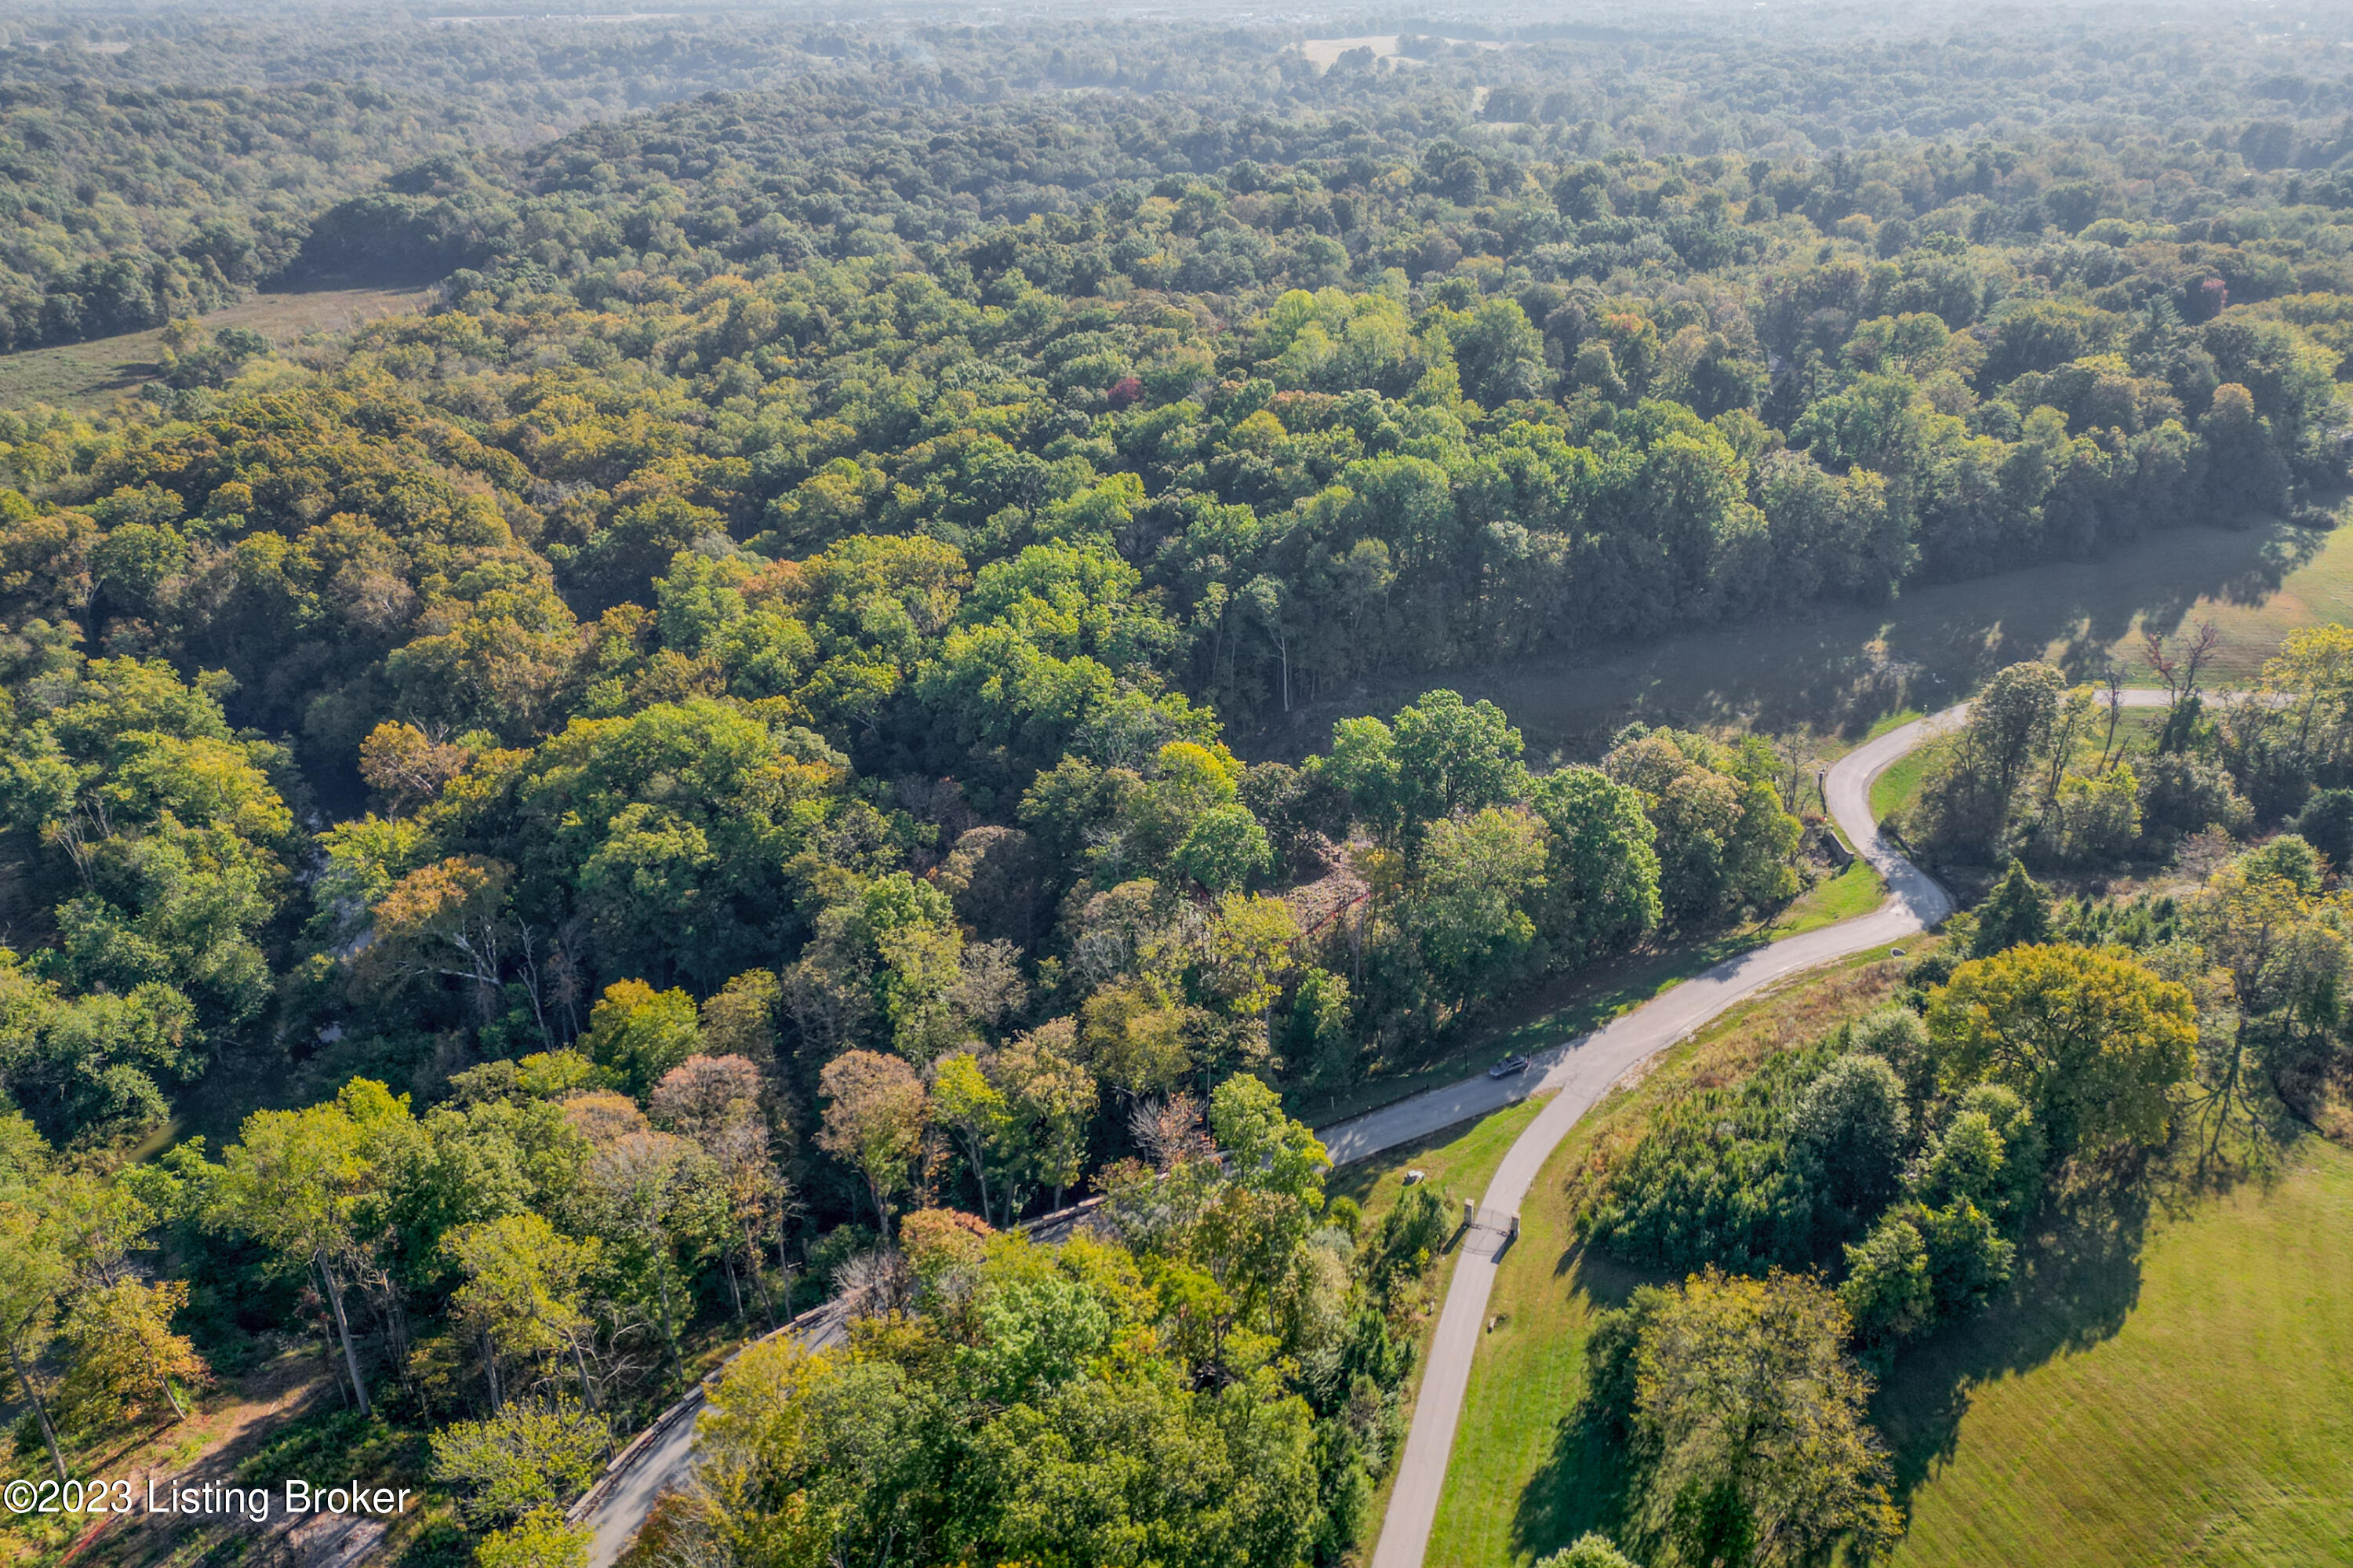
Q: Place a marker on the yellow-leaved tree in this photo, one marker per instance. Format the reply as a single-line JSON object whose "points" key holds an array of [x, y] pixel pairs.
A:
{"points": [[2094, 1042]]}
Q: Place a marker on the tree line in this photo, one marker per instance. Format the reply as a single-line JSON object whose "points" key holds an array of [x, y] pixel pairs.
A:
{"points": [[161, 167], [1850, 1197], [709, 770]]}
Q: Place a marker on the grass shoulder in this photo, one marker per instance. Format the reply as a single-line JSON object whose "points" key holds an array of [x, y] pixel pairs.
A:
{"points": [[1460, 1161], [1522, 1483], [1896, 788], [1547, 1014]]}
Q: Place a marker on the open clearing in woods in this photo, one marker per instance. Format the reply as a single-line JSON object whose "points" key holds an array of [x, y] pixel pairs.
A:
{"points": [[1859, 667], [2171, 1389], [88, 376]]}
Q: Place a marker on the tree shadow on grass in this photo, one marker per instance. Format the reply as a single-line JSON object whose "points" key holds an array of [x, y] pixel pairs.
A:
{"points": [[2079, 1278], [2289, 549], [1843, 667], [1581, 1484]]}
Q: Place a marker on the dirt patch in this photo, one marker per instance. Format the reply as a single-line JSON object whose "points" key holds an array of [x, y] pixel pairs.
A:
{"points": [[209, 1448]]}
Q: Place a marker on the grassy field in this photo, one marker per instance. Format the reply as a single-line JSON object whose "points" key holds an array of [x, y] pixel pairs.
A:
{"points": [[1858, 670], [92, 374], [1549, 1014], [1855, 891], [2181, 1394], [1459, 1158], [1896, 788], [2170, 1387], [1516, 1488]]}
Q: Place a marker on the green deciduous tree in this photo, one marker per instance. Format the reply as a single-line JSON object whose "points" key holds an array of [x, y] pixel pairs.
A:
{"points": [[1052, 1096], [1466, 905], [33, 1271], [1601, 873], [1442, 756], [2095, 1043], [1269, 1150], [293, 1181], [1967, 802], [652, 1197], [523, 1295], [95, 1063], [541, 1539], [1750, 1422], [975, 1113], [526, 1457], [638, 1034], [1722, 839], [811, 1458], [1887, 1290], [1590, 1550], [1319, 1041]]}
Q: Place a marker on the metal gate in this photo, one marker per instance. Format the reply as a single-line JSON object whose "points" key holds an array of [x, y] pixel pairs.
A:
{"points": [[1502, 1222]]}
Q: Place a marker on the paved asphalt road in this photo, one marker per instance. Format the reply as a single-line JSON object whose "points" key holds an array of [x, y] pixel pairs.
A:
{"points": [[659, 1467], [1580, 1071]]}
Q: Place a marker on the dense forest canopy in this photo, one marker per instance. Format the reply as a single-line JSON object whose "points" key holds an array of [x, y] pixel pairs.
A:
{"points": [[714, 764], [167, 161]]}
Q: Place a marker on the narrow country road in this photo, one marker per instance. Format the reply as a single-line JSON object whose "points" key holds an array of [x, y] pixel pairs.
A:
{"points": [[659, 1467], [1583, 1070]]}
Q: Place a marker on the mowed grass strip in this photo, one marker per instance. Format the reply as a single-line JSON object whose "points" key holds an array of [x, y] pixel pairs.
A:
{"points": [[1548, 1014], [1855, 891], [1458, 1161], [2174, 1387], [1896, 788], [1515, 1490], [2192, 1407], [1861, 670]]}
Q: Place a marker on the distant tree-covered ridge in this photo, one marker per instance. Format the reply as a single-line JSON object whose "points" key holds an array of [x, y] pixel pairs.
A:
{"points": [[228, 135]]}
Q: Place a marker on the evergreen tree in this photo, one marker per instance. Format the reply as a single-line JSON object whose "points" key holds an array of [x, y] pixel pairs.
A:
{"points": [[2019, 911]]}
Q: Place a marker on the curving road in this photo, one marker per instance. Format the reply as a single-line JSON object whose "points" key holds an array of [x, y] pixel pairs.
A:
{"points": [[661, 1457], [1583, 1070]]}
